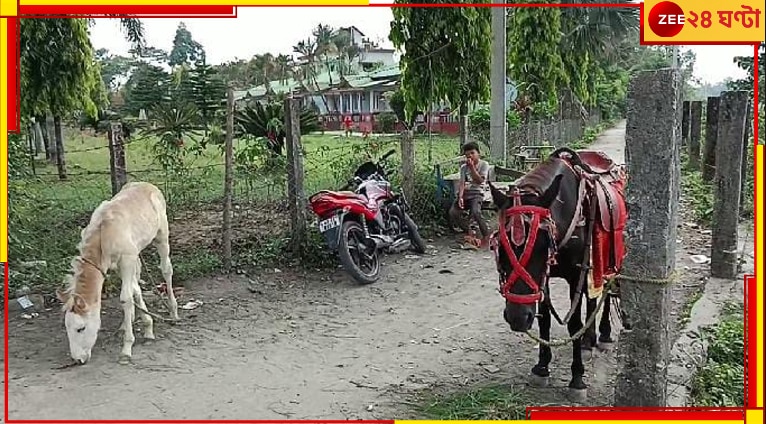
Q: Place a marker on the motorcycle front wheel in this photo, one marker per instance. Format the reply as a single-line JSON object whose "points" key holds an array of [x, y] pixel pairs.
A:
{"points": [[358, 255]]}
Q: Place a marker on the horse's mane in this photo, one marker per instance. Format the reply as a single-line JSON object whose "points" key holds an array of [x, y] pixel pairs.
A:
{"points": [[90, 249], [540, 178]]}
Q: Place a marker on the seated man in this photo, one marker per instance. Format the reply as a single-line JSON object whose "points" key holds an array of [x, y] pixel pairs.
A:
{"points": [[470, 195]]}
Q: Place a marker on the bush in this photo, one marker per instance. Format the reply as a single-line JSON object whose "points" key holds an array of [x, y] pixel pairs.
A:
{"points": [[479, 120], [720, 382], [386, 122]]}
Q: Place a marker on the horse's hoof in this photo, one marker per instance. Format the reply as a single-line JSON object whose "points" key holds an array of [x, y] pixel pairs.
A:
{"points": [[578, 395], [537, 381], [149, 340], [606, 346], [587, 354], [124, 360]]}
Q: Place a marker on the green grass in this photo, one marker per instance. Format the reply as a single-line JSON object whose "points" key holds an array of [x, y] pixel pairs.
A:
{"points": [[720, 381], [497, 402]]}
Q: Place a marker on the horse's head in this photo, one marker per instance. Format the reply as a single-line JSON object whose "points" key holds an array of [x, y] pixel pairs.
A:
{"points": [[525, 247], [82, 311]]}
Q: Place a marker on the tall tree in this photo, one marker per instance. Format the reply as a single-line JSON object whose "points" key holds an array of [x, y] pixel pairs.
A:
{"points": [[208, 92], [185, 49], [57, 73], [534, 53], [147, 86], [447, 55]]}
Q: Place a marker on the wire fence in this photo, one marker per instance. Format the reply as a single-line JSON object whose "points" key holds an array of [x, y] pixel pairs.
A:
{"points": [[48, 213]]}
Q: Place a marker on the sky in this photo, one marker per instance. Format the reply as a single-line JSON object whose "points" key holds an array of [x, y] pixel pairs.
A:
{"points": [[276, 29]]}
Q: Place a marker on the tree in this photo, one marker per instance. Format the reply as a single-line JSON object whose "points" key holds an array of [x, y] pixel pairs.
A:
{"points": [[146, 87], [208, 92], [185, 49], [447, 55], [57, 73], [534, 53], [113, 67], [590, 39]]}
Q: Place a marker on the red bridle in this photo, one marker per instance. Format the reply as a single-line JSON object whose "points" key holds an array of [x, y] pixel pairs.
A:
{"points": [[536, 216]]}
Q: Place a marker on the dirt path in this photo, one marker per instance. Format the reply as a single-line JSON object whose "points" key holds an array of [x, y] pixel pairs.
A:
{"points": [[303, 346]]}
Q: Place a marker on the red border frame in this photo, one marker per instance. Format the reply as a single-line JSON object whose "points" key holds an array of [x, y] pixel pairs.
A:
{"points": [[548, 413]]}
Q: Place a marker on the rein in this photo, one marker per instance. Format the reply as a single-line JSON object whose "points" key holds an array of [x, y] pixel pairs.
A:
{"points": [[91, 263]]}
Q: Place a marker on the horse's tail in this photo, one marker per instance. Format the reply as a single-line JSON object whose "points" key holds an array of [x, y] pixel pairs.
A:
{"points": [[574, 158]]}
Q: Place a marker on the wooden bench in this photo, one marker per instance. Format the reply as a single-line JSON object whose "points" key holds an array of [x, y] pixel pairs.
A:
{"points": [[530, 156]]}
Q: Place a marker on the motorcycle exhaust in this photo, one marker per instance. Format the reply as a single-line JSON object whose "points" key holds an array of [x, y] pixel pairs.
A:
{"points": [[399, 246], [381, 242]]}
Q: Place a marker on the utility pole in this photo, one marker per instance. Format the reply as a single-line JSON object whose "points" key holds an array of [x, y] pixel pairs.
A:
{"points": [[675, 56], [498, 110]]}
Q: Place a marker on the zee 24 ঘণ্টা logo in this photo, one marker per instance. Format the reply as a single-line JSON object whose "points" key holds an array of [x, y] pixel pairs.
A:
{"points": [[666, 19]]}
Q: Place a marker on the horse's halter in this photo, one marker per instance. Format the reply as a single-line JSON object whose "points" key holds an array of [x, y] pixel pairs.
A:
{"points": [[538, 218], [91, 263]]}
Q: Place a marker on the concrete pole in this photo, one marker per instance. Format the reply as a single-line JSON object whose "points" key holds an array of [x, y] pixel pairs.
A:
{"points": [[711, 138], [695, 134], [497, 117], [732, 115], [652, 153], [675, 57]]}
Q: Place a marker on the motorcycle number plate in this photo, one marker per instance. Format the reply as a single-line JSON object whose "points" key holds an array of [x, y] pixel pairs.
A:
{"points": [[329, 223]]}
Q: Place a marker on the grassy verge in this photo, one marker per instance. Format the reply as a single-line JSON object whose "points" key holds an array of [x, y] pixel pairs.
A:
{"points": [[720, 381], [497, 402]]}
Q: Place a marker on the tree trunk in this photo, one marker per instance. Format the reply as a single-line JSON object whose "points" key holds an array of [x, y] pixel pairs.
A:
{"points": [[60, 163], [39, 142], [46, 134], [463, 125]]}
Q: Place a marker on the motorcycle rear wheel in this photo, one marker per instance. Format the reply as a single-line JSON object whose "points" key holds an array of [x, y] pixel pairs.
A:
{"points": [[358, 259], [418, 245]]}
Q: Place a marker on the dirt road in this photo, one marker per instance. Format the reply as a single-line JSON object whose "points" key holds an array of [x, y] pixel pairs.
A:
{"points": [[302, 346]]}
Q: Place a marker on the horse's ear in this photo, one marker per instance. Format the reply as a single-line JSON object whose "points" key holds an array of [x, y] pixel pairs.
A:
{"points": [[78, 305], [547, 198], [65, 298], [501, 200]]}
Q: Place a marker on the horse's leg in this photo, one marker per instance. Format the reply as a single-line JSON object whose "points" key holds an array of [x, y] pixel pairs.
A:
{"points": [[138, 296], [540, 372], [577, 388], [605, 326], [128, 266], [163, 249]]}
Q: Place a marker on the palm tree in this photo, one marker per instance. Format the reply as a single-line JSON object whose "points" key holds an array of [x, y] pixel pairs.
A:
{"points": [[593, 36], [597, 31], [326, 48], [282, 65]]}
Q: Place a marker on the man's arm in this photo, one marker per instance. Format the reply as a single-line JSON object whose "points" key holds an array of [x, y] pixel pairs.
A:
{"points": [[461, 185], [479, 175]]}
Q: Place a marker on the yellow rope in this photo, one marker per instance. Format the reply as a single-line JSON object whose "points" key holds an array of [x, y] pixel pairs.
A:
{"points": [[610, 281]]}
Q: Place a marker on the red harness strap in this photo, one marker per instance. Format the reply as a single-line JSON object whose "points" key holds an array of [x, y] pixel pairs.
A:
{"points": [[518, 265]]}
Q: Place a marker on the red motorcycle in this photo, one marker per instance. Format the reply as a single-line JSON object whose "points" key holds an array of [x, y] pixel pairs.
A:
{"points": [[361, 223]]}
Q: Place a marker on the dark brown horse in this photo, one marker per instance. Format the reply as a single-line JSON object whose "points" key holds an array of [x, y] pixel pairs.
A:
{"points": [[550, 221]]}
